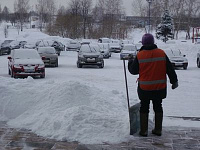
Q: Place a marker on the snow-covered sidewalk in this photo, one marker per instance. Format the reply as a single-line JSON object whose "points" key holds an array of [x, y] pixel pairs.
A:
{"points": [[172, 138]]}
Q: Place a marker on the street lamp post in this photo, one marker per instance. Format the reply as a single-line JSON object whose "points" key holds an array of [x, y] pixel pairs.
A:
{"points": [[149, 1]]}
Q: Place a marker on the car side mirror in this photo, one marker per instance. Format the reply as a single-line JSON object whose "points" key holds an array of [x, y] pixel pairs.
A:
{"points": [[43, 57], [9, 57], [184, 55]]}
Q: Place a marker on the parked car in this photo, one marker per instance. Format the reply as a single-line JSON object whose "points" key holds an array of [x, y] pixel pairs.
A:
{"points": [[31, 44], [104, 40], [177, 58], [0, 47], [128, 49], [198, 59], [17, 44], [85, 41], [50, 56], [115, 46], [138, 46], [73, 45], [90, 55], [25, 62], [65, 42], [5, 47], [57, 45], [104, 48], [123, 42]]}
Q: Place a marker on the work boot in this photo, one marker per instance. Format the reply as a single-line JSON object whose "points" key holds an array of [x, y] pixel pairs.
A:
{"points": [[158, 124], [144, 124]]}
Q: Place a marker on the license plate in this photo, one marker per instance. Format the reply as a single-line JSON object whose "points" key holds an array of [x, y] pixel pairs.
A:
{"points": [[91, 59], [29, 70], [178, 64]]}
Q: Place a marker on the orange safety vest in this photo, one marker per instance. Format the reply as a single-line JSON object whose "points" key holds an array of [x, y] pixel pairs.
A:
{"points": [[152, 69]]}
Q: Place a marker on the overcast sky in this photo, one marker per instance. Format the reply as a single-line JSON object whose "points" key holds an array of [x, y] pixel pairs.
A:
{"points": [[9, 3]]}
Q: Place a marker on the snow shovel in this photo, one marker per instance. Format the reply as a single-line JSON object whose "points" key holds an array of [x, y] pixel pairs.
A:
{"points": [[134, 115]]}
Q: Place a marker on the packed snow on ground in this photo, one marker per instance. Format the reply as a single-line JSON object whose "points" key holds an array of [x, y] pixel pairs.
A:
{"points": [[89, 104]]}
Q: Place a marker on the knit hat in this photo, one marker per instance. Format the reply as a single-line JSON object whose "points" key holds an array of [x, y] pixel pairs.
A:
{"points": [[147, 39]]}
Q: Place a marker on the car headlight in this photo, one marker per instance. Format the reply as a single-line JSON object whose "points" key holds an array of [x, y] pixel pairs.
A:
{"points": [[81, 56], [41, 66], [17, 66]]}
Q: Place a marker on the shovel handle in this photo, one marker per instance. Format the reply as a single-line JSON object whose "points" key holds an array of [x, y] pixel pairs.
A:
{"points": [[126, 84]]}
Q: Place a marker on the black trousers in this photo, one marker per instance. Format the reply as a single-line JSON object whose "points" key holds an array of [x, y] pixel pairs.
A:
{"points": [[157, 106]]}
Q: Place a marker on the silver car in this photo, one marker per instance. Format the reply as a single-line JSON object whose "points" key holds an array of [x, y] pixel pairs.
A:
{"points": [[51, 58], [104, 48], [128, 49], [177, 58]]}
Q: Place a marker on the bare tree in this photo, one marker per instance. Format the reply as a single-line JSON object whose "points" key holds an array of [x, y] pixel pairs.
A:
{"points": [[86, 7], [0, 13], [177, 9], [75, 18], [139, 8], [191, 10], [21, 8]]}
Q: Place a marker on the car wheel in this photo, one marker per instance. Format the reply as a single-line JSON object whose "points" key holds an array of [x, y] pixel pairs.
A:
{"points": [[102, 65], [56, 64], [198, 63], [185, 67], [42, 76], [79, 65]]}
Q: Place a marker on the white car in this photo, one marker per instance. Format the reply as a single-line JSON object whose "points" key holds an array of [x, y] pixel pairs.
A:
{"points": [[25, 62], [127, 50], [32, 44], [177, 58], [115, 46], [104, 40], [104, 48]]}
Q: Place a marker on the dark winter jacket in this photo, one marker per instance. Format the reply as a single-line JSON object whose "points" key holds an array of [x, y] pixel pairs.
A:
{"points": [[133, 67]]}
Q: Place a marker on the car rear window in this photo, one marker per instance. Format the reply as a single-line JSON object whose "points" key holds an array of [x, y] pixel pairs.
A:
{"points": [[46, 50], [26, 54]]}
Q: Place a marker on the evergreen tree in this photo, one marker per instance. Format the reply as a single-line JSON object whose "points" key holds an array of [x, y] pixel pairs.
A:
{"points": [[164, 30]]}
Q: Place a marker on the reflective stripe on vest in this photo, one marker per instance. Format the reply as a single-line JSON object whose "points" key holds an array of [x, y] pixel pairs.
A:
{"points": [[152, 69], [152, 82], [151, 59]]}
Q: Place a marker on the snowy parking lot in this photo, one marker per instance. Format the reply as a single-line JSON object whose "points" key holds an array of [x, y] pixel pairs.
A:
{"points": [[89, 104]]}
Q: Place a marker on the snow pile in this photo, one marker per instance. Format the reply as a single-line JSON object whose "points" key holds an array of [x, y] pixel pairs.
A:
{"points": [[69, 111]]}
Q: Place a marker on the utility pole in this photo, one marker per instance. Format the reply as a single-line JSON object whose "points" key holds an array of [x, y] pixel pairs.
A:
{"points": [[149, 22]]}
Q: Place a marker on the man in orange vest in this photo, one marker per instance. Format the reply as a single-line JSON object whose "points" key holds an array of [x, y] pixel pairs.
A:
{"points": [[152, 65]]}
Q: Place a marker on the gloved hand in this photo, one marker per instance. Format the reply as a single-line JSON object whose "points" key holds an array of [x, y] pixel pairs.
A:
{"points": [[175, 85]]}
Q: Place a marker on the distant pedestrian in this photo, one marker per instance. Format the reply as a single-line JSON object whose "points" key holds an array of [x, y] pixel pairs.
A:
{"points": [[152, 65]]}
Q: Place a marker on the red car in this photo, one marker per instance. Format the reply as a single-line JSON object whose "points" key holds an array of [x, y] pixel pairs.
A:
{"points": [[24, 63]]}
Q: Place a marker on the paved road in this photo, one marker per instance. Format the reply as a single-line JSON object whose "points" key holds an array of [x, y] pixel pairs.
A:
{"points": [[173, 138]]}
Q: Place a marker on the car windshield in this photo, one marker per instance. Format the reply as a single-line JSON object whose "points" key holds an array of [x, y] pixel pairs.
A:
{"points": [[171, 53], [176, 53], [26, 54], [90, 48], [30, 43], [45, 50], [6, 42], [15, 43], [129, 47]]}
